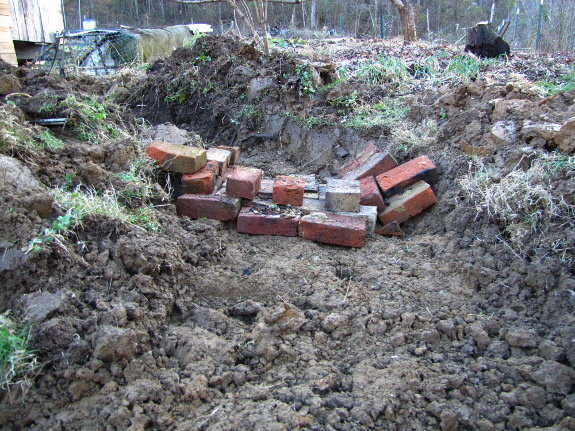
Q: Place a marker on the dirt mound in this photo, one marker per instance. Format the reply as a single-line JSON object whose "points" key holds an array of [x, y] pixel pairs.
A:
{"points": [[465, 323]]}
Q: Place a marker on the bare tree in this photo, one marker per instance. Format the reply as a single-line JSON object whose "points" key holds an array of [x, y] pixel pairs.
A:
{"points": [[406, 10], [244, 13]]}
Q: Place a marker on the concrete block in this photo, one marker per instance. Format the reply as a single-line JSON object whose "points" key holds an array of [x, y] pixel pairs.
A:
{"points": [[333, 229], [244, 182], [413, 201], [213, 207], [288, 190], [263, 224], [177, 158], [398, 179], [376, 164], [342, 195]]}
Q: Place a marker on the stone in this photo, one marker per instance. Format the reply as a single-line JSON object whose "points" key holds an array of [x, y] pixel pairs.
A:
{"points": [[390, 229], [555, 377], [214, 207], [266, 224], [288, 190], [244, 182], [177, 158], [546, 131], [521, 338], [342, 195], [235, 156], [413, 201], [333, 229], [504, 132], [112, 344], [368, 213], [41, 306], [200, 183], [168, 132], [221, 156], [565, 138], [370, 193], [403, 176], [377, 164]]}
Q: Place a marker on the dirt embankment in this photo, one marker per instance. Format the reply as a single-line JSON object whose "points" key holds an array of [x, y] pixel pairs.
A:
{"points": [[199, 327]]}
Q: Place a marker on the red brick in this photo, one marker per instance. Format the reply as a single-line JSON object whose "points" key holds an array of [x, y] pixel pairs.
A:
{"points": [[213, 207], [333, 229], [375, 165], [221, 156], [367, 152], [402, 207], [390, 229], [349, 166], [288, 190], [370, 194], [177, 158], [200, 183], [265, 224], [244, 182], [213, 166], [398, 179], [235, 157]]}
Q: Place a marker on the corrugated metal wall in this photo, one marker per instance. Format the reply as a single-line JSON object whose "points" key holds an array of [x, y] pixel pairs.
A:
{"points": [[6, 45]]}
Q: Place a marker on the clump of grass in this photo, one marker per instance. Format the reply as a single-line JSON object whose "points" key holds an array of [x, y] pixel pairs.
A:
{"points": [[410, 138], [385, 113], [462, 68], [563, 83], [20, 137], [383, 70], [83, 202], [17, 360], [523, 201]]}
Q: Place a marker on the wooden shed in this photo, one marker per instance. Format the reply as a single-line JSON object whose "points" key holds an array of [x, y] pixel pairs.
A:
{"points": [[7, 52], [32, 24]]}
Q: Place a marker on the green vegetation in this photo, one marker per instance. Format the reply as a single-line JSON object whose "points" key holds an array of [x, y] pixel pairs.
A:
{"points": [[524, 201], [90, 118], [53, 234], [563, 83], [386, 113], [381, 71], [17, 361], [410, 138], [305, 75], [462, 68], [17, 136]]}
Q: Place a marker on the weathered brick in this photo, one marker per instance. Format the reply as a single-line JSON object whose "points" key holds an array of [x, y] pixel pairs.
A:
{"points": [[375, 165], [213, 166], [265, 224], [312, 205], [370, 193], [398, 179], [213, 207], [350, 165], [177, 158], [266, 189], [221, 156], [288, 190], [200, 183], [367, 213], [333, 229], [244, 182], [390, 229], [402, 207], [369, 150], [342, 195], [235, 156]]}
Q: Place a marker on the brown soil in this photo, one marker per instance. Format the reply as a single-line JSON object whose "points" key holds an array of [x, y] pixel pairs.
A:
{"points": [[200, 327]]}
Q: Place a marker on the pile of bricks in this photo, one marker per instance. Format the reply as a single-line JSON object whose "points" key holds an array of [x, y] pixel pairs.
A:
{"points": [[371, 188]]}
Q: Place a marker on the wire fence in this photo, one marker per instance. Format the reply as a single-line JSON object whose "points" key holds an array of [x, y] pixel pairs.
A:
{"points": [[97, 52]]}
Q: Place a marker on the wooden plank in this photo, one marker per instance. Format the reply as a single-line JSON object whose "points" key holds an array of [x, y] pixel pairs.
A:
{"points": [[7, 51]]}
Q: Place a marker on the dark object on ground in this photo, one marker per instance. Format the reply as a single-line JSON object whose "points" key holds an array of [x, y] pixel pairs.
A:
{"points": [[484, 42]]}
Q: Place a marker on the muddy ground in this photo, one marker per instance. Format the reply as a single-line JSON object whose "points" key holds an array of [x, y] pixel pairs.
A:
{"points": [[198, 327]]}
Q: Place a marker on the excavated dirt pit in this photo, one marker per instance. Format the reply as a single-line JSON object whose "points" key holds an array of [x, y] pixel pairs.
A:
{"points": [[200, 327]]}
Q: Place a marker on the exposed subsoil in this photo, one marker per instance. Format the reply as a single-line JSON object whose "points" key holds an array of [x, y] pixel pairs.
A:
{"points": [[200, 327]]}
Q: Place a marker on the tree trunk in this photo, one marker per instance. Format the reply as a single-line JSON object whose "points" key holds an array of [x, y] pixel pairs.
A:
{"points": [[406, 12], [313, 19]]}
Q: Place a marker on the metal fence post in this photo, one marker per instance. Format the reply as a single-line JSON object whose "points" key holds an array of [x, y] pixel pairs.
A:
{"points": [[538, 42]]}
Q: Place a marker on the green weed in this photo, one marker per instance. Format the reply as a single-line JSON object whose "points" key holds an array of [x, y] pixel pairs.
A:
{"points": [[563, 83], [462, 68], [17, 361], [305, 76], [381, 71]]}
